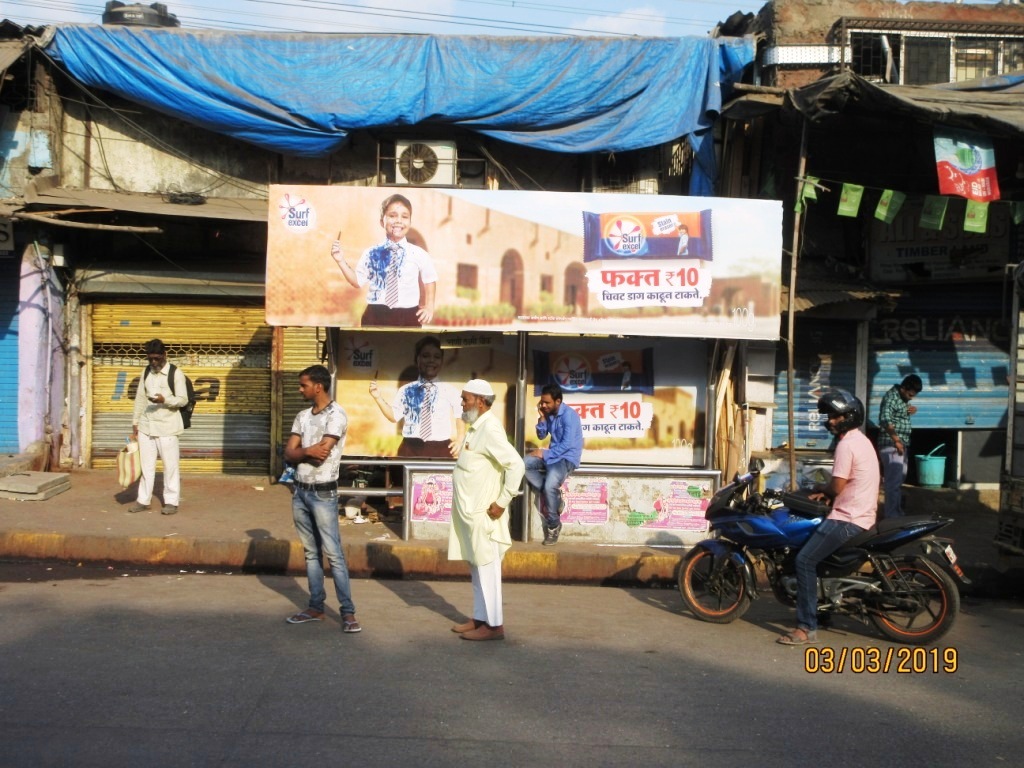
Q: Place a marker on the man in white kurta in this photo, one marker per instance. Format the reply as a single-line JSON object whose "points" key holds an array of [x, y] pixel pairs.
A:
{"points": [[487, 476], [156, 424]]}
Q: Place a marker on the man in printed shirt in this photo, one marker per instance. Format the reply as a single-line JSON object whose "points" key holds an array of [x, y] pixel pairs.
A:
{"points": [[315, 446], [487, 476], [156, 424], [894, 439], [547, 468]]}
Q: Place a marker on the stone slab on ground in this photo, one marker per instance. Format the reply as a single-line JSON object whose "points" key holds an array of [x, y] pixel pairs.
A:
{"points": [[34, 486]]}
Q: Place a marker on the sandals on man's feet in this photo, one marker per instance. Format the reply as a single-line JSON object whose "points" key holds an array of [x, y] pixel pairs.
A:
{"points": [[303, 617], [798, 636]]}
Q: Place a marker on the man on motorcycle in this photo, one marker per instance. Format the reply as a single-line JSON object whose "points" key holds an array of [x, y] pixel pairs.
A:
{"points": [[853, 492]]}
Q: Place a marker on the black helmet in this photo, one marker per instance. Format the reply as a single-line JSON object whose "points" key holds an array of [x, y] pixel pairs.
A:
{"points": [[839, 402]]}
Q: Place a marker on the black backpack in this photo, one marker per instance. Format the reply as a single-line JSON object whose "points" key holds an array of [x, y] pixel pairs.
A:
{"points": [[190, 393]]}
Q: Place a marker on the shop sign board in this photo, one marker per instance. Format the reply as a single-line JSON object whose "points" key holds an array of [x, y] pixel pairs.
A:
{"points": [[904, 252]]}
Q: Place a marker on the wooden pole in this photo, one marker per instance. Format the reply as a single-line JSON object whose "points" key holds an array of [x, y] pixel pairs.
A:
{"points": [[791, 309]]}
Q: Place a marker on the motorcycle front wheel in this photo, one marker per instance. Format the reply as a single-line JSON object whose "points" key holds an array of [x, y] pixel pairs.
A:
{"points": [[716, 596], [923, 607]]}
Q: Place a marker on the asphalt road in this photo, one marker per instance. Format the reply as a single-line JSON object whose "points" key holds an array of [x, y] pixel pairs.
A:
{"points": [[115, 667]]}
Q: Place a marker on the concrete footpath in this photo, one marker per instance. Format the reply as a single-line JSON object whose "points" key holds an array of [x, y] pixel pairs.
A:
{"points": [[235, 523]]}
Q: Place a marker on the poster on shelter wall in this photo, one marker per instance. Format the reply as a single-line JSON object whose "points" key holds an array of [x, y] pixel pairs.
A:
{"points": [[626, 506], [402, 391], [435, 259], [607, 370], [639, 404]]}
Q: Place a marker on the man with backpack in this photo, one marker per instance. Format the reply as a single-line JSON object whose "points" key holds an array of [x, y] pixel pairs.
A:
{"points": [[156, 424]]}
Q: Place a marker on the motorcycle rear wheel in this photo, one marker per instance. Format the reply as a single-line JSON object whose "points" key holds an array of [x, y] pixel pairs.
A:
{"points": [[718, 598], [935, 603]]}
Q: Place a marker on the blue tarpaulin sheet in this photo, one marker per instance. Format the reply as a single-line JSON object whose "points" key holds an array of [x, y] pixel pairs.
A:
{"points": [[301, 94]]}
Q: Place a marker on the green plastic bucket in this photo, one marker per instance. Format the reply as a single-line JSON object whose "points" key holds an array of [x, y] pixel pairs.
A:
{"points": [[931, 470]]}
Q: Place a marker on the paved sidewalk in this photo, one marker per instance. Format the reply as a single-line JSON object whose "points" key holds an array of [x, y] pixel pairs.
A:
{"points": [[234, 523], [244, 523]]}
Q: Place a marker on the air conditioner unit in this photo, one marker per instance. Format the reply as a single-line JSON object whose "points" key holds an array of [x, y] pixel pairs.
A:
{"points": [[425, 163]]}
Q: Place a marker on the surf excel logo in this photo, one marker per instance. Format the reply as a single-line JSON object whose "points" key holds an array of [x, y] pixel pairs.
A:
{"points": [[297, 215], [572, 372], [625, 236]]}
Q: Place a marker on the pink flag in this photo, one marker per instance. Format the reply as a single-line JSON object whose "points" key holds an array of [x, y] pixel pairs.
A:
{"points": [[966, 163]]}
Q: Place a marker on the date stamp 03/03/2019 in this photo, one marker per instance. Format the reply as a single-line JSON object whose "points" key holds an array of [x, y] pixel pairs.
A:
{"points": [[862, 660]]}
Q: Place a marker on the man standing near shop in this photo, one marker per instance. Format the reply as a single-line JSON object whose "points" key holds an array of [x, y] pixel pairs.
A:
{"points": [[315, 446], [894, 440], [156, 424], [487, 476], [547, 468]]}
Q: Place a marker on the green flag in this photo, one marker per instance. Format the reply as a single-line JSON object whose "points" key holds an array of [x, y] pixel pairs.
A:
{"points": [[889, 205], [976, 218], [808, 191], [849, 200], [933, 213]]}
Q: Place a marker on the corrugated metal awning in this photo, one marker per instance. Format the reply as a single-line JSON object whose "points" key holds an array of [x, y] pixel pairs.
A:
{"points": [[39, 192], [124, 282], [813, 293]]}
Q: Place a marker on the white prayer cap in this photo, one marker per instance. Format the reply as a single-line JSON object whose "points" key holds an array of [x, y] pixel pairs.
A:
{"points": [[478, 387]]}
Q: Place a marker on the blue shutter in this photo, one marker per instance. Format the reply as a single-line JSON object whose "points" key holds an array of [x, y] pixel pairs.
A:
{"points": [[824, 355], [9, 281]]}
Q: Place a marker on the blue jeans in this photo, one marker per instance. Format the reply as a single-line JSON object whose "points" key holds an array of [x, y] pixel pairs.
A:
{"points": [[546, 481], [826, 539], [894, 474], [316, 520]]}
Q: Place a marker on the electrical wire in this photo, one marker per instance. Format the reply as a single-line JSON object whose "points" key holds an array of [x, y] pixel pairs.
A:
{"points": [[342, 14]]}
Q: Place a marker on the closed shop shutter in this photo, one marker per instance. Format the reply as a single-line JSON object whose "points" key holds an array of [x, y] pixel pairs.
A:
{"points": [[225, 350], [301, 348], [961, 353], [9, 282], [824, 356]]}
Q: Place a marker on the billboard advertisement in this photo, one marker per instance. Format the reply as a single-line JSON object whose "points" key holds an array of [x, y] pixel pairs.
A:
{"points": [[549, 262]]}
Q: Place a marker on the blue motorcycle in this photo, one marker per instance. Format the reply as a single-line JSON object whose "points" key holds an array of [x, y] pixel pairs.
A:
{"points": [[909, 597]]}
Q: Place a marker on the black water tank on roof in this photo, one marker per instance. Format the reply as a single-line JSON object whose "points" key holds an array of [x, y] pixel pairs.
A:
{"points": [[139, 15]]}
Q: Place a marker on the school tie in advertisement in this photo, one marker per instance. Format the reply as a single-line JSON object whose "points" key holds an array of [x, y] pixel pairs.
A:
{"points": [[391, 275], [429, 393]]}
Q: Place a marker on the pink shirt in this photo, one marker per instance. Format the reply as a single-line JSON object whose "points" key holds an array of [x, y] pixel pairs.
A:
{"points": [[857, 463]]}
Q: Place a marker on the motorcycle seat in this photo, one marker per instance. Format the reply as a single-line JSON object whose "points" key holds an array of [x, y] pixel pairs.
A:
{"points": [[884, 526]]}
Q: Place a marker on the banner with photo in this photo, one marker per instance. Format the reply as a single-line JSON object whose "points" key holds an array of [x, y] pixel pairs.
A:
{"points": [[966, 164], [595, 371], [638, 404], [382, 383], [571, 263]]}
